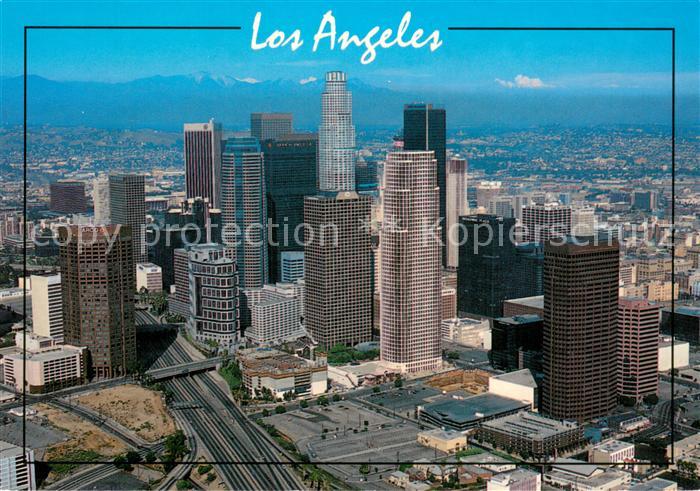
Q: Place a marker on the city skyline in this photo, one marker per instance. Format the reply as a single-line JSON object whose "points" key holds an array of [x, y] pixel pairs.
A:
{"points": [[457, 262]]}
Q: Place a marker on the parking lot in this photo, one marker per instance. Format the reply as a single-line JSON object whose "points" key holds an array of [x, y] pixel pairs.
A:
{"points": [[337, 433]]}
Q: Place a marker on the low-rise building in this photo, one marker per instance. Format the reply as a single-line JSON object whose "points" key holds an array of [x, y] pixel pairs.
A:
{"points": [[531, 434], [656, 484], [367, 373], [462, 414], [473, 333], [446, 441], [518, 385], [49, 366], [489, 461], [517, 480], [611, 452], [576, 475], [279, 372], [16, 467]]}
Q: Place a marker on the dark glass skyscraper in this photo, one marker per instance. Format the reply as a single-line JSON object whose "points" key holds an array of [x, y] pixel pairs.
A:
{"points": [[127, 203], [265, 126], [516, 342], [290, 174], [424, 128], [580, 329], [194, 222], [243, 208], [492, 268], [67, 197]]}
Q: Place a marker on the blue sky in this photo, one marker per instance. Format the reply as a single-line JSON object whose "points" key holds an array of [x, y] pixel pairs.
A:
{"points": [[478, 61]]}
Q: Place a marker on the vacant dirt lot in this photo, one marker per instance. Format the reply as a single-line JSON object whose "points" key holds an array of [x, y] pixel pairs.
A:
{"points": [[134, 407], [84, 435]]}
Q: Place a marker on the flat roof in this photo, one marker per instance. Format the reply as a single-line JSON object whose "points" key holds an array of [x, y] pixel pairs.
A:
{"points": [[536, 301], [613, 446], [473, 408], [520, 319], [574, 466], [530, 425], [521, 377]]}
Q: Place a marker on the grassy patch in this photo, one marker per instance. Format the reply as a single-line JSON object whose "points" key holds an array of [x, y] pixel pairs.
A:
{"points": [[60, 469], [469, 451], [342, 355], [232, 374]]}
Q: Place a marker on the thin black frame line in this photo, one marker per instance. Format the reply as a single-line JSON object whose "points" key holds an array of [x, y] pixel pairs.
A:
{"points": [[534, 463], [327, 462]]}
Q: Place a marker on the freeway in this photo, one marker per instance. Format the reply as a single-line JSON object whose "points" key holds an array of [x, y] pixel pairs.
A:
{"points": [[87, 478], [184, 369], [229, 436]]}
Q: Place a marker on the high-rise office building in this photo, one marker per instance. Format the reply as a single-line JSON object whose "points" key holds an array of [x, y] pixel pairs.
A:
{"points": [[580, 328], [645, 200], [516, 342], [266, 126], [193, 222], [336, 136], [338, 268], [202, 145], [424, 128], [244, 209], [583, 221], [100, 200], [493, 268], [637, 348], [291, 266], [127, 203], [544, 222], [275, 313], [47, 306], [410, 288], [213, 295], [290, 174], [67, 196], [456, 197], [502, 206], [98, 286]]}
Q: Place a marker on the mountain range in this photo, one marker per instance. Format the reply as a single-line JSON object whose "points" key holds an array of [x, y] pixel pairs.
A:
{"points": [[165, 102]]}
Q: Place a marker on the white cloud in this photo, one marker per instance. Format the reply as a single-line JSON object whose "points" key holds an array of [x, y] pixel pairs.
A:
{"points": [[249, 80], [307, 80], [523, 82]]}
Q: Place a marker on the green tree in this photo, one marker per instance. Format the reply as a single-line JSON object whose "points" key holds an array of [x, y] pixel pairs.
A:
{"points": [[150, 457], [398, 383], [651, 399], [303, 404], [122, 463], [336, 397], [280, 409]]}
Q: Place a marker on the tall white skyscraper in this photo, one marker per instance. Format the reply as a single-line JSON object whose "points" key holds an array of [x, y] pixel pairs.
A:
{"points": [[47, 306], [410, 289], [100, 199], [456, 198], [336, 136]]}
